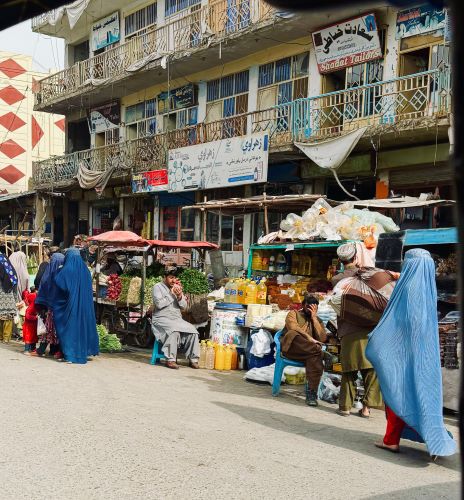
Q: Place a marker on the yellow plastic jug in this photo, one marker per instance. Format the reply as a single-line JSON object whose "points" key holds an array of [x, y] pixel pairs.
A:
{"points": [[227, 358], [251, 293], [220, 358], [261, 295], [203, 348], [210, 356]]}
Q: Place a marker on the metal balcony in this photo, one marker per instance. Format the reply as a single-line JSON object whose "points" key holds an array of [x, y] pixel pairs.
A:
{"points": [[409, 104], [215, 22]]}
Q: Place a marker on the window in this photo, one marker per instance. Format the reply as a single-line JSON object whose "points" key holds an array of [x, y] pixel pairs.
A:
{"points": [[173, 6], [228, 97], [226, 231], [140, 119], [140, 20], [281, 82], [288, 78]]}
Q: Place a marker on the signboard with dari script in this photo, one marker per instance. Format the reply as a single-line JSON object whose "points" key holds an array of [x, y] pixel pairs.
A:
{"points": [[225, 163], [149, 182], [348, 43]]}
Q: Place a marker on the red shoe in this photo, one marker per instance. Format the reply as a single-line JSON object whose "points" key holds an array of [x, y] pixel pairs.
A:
{"points": [[58, 355]]}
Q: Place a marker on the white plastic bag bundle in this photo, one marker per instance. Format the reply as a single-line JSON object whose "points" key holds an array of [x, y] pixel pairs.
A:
{"points": [[264, 374]]}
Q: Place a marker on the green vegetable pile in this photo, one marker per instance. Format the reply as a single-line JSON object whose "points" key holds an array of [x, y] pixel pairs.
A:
{"points": [[109, 342], [149, 284], [194, 282], [125, 282]]}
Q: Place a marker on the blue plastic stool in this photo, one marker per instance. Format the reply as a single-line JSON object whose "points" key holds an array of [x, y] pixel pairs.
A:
{"points": [[156, 353], [280, 364]]}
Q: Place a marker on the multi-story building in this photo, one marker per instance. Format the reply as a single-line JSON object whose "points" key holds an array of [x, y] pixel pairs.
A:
{"points": [[144, 79], [25, 135]]}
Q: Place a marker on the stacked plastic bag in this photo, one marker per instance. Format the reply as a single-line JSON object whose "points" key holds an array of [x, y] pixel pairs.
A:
{"points": [[343, 222]]}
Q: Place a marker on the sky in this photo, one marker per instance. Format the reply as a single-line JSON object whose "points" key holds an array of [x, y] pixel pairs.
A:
{"points": [[47, 52]]}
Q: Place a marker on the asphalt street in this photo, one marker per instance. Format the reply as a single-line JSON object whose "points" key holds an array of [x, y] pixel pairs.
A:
{"points": [[120, 428]]}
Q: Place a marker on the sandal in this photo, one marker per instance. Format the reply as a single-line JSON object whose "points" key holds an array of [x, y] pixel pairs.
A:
{"points": [[343, 413], [383, 446], [361, 414]]}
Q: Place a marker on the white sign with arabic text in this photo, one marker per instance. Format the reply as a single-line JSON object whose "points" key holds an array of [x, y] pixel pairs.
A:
{"points": [[348, 43], [225, 163]]}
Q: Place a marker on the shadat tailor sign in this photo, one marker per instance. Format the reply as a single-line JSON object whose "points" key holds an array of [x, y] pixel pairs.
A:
{"points": [[348, 43]]}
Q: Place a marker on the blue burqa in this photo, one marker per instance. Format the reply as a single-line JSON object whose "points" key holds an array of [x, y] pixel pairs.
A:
{"points": [[73, 311], [404, 351], [47, 290]]}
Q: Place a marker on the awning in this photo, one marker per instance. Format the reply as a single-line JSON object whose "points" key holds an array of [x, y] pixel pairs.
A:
{"points": [[183, 244], [283, 204], [120, 238], [14, 196], [403, 202]]}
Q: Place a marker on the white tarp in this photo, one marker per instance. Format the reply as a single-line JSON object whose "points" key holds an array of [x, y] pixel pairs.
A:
{"points": [[74, 11], [331, 153], [141, 63]]}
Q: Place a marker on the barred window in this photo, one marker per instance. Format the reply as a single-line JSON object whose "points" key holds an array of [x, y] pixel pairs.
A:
{"points": [[140, 19]]}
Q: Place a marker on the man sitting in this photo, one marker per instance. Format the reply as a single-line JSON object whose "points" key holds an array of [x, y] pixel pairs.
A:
{"points": [[168, 326], [304, 334]]}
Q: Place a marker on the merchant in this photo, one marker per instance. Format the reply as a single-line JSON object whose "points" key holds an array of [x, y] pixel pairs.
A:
{"points": [[353, 334], [111, 265], [169, 328], [302, 341]]}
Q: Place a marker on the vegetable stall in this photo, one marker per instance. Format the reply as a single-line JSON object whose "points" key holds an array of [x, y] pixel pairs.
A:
{"points": [[123, 301]]}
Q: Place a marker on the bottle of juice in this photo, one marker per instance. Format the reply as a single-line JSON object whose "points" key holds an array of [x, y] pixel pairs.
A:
{"points": [[261, 295], [234, 363], [234, 292], [251, 293], [202, 361], [210, 356], [228, 358], [241, 289], [220, 358]]}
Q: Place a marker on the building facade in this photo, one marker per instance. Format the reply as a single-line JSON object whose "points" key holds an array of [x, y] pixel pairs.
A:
{"points": [[26, 136], [164, 101]]}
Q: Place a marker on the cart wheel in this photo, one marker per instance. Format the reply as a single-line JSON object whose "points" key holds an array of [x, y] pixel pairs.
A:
{"points": [[120, 329], [144, 336]]}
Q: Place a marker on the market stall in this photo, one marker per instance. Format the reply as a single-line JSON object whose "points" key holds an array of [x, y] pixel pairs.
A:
{"points": [[123, 299]]}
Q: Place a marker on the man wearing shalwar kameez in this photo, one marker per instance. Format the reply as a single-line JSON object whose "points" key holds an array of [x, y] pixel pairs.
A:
{"points": [[168, 326]]}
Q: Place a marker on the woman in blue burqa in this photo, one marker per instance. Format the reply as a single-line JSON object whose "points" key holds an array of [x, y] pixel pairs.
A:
{"points": [[404, 351], [46, 298], [73, 310]]}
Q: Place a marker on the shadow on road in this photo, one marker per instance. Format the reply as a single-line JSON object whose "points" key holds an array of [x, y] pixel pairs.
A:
{"points": [[354, 440], [439, 490]]}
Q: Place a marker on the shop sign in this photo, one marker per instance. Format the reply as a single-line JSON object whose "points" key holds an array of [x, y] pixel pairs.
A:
{"points": [[419, 20], [105, 32], [149, 182], [180, 98], [348, 43], [224, 163], [105, 117]]}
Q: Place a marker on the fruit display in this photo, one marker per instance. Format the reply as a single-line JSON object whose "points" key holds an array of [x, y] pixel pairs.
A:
{"points": [[114, 287]]}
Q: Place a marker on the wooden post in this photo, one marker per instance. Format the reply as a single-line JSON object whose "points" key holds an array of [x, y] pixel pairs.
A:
{"points": [[205, 219], [266, 220]]}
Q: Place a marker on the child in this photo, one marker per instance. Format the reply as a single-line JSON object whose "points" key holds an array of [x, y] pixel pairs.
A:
{"points": [[30, 324]]}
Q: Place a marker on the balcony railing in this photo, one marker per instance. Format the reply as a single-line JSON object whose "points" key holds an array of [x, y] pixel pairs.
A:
{"points": [[402, 102], [395, 102], [191, 31]]}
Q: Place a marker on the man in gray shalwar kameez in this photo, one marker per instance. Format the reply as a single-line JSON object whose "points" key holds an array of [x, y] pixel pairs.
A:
{"points": [[168, 326]]}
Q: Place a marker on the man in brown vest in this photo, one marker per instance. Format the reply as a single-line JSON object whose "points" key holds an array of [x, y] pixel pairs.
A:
{"points": [[302, 341]]}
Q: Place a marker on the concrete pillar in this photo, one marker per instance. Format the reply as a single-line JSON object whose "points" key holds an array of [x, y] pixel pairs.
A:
{"points": [[252, 95], [392, 45], [160, 9], [201, 102], [315, 78]]}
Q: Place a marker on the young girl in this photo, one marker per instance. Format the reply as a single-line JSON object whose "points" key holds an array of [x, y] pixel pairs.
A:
{"points": [[30, 324]]}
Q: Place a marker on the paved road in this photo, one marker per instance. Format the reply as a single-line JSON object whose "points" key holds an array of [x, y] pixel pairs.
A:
{"points": [[120, 428]]}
